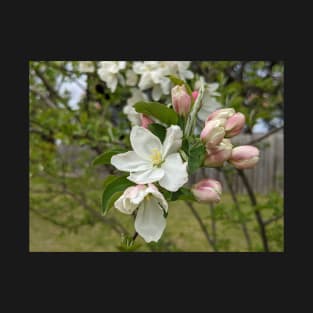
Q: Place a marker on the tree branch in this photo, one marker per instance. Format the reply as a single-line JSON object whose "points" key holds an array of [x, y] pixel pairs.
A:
{"points": [[202, 226], [237, 207], [256, 212], [254, 141]]}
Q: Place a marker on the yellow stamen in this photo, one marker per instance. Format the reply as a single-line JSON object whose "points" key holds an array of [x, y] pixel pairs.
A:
{"points": [[156, 157]]}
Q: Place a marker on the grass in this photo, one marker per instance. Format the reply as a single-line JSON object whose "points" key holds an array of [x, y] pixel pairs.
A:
{"points": [[181, 234]]}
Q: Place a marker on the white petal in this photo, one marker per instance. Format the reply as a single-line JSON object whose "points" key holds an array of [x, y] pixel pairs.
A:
{"points": [[207, 108], [158, 195], [147, 176], [173, 140], [150, 222], [129, 162], [125, 205], [156, 92], [175, 172], [144, 142]]}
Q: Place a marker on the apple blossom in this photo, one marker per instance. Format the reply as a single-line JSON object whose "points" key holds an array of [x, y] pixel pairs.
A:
{"points": [[243, 157], [181, 100], [109, 72], [216, 156], [150, 221], [213, 133], [152, 161], [234, 124], [207, 190]]}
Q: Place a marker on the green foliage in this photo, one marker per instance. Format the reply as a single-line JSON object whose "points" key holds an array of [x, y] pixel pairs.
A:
{"points": [[195, 150], [177, 81], [112, 191], [157, 110], [158, 130], [105, 158]]}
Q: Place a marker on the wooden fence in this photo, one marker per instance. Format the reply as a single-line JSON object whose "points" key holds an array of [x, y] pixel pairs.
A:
{"points": [[267, 176]]}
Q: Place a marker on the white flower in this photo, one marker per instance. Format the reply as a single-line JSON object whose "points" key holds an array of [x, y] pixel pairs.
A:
{"points": [[150, 221], [132, 115], [109, 72], [180, 69], [131, 78], [209, 102], [152, 161], [86, 67], [154, 75]]}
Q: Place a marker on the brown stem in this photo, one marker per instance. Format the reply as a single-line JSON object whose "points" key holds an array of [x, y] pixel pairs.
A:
{"points": [[273, 219], [256, 211], [252, 142], [202, 226], [237, 207], [213, 223]]}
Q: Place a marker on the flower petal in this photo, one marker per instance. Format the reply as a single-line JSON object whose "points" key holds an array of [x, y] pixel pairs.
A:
{"points": [[130, 162], [156, 92], [172, 141], [158, 195], [147, 176], [175, 172], [150, 222], [144, 142]]}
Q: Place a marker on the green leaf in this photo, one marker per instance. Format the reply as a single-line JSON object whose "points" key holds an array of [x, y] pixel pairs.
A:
{"points": [[183, 194], [105, 158], [112, 191], [177, 81], [196, 154], [157, 110], [158, 130], [109, 179]]}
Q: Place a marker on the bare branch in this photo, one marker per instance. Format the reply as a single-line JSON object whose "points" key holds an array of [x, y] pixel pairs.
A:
{"points": [[254, 141]]}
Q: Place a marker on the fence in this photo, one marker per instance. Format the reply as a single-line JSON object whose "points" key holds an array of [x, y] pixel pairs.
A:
{"points": [[267, 176]]}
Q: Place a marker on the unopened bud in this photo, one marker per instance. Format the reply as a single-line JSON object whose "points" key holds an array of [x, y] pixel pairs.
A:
{"points": [[145, 120], [243, 157], [234, 124], [181, 100], [207, 190], [221, 114], [217, 156], [213, 133]]}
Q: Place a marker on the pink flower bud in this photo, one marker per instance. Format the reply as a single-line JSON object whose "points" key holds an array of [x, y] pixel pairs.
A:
{"points": [[217, 156], [207, 190], [243, 157], [213, 133], [234, 124], [195, 94], [145, 120], [221, 114], [181, 100]]}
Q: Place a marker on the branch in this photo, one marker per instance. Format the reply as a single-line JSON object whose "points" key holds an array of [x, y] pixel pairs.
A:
{"points": [[203, 228], [256, 212], [43, 97], [237, 207], [254, 141], [273, 219]]}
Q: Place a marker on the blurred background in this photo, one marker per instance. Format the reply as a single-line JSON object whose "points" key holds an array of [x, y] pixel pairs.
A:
{"points": [[78, 109]]}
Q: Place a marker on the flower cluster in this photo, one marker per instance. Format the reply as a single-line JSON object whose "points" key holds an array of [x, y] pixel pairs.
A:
{"points": [[219, 127], [160, 162]]}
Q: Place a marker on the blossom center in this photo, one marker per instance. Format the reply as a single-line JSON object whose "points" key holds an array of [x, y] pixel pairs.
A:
{"points": [[156, 157]]}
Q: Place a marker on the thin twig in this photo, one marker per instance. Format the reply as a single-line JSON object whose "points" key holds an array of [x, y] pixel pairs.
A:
{"points": [[254, 141], [256, 211], [202, 226], [237, 207], [273, 219]]}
